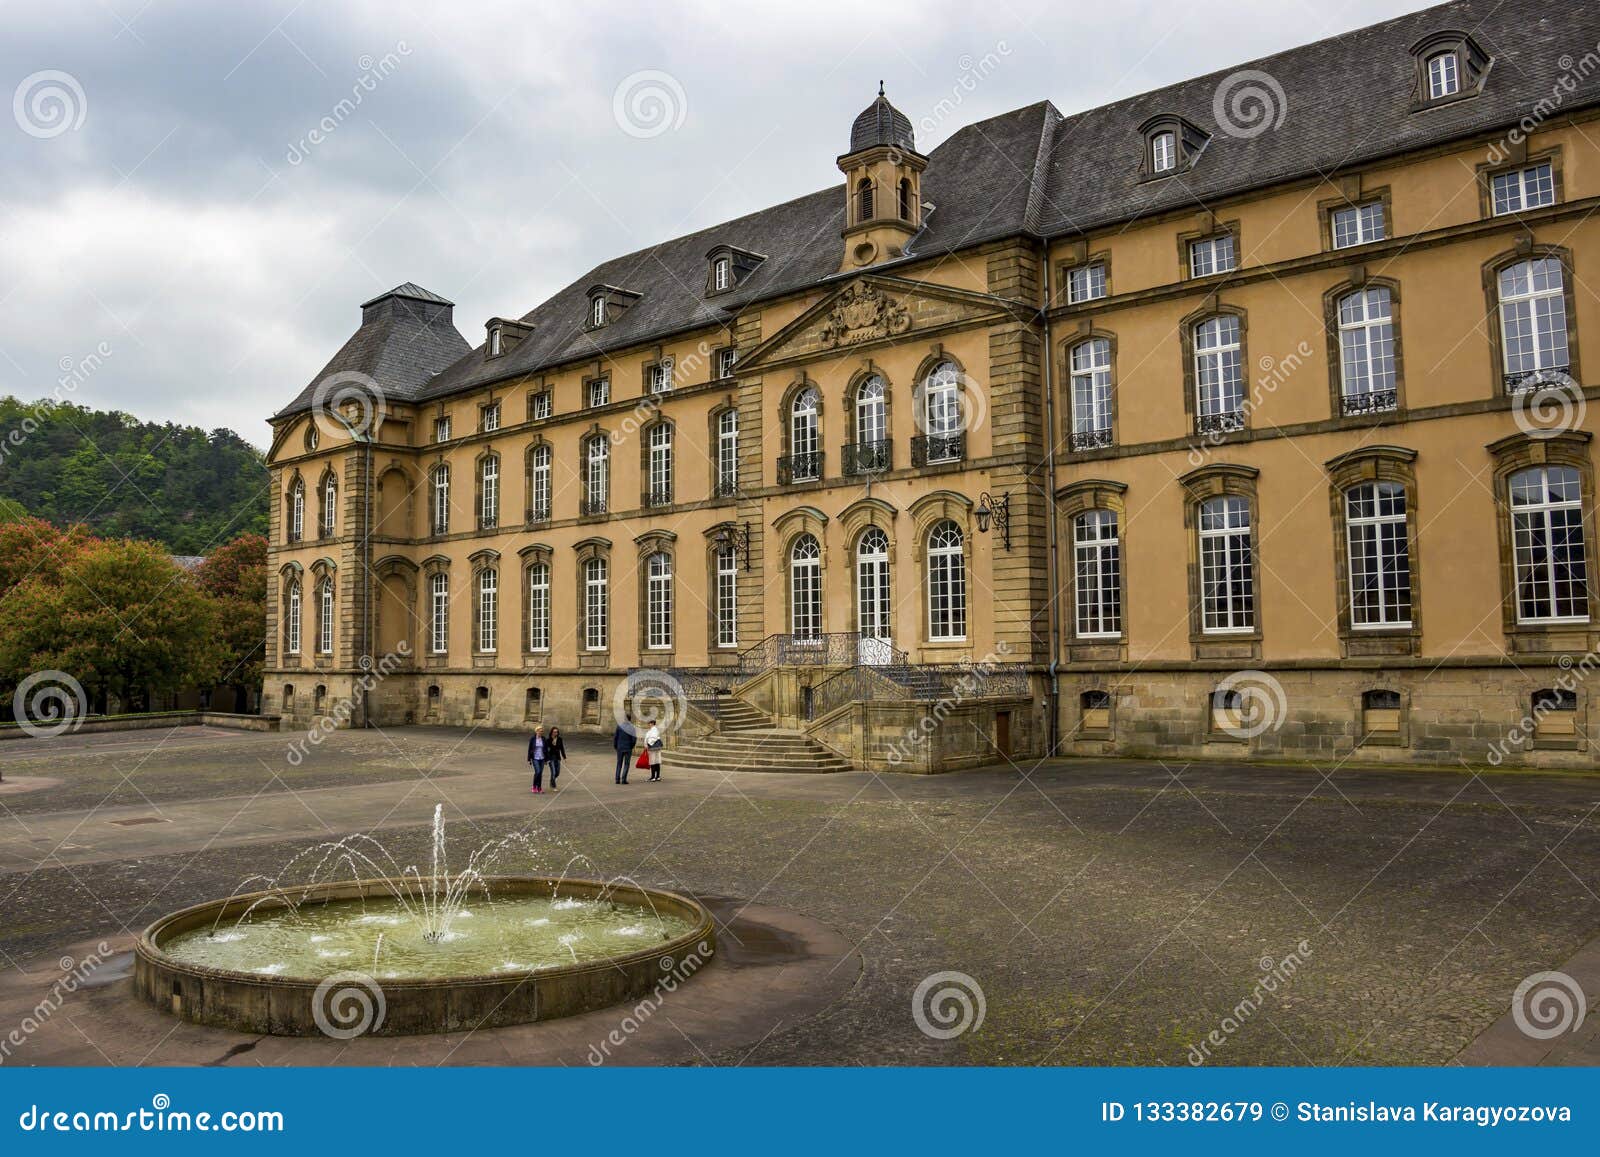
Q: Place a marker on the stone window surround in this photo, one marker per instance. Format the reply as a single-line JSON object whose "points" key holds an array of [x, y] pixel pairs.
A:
{"points": [[585, 440], [937, 356], [1518, 157], [486, 559], [1358, 278], [328, 472], [1087, 332], [728, 404], [535, 554], [1092, 685], [1072, 501], [1212, 307], [478, 465], [1189, 142], [432, 565], [1076, 257], [1213, 481], [384, 572], [788, 528], [653, 542], [324, 570], [587, 549], [645, 431], [1374, 464], [527, 481], [854, 521], [1400, 738], [926, 513], [713, 650], [1526, 250], [1472, 67], [288, 574], [1206, 228], [847, 400], [1354, 194]]}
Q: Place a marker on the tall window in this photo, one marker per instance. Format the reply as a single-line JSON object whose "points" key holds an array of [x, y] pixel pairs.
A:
{"points": [[1366, 351], [1086, 283], [1444, 75], [1163, 153], [864, 199], [658, 601], [489, 486], [873, 596], [727, 452], [805, 588], [596, 474], [1227, 568], [1533, 318], [660, 493], [1380, 555], [727, 598], [439, 613], [1091, 394], [722, 274], [599, 392], [1097, 561], [441, 429], [1529, 188], [1358, 225], [1218, 374], [947, 583], [488, 609], [905, 200], [297, 510], [441, 499], [325, 617], [941, 401], [727, 359], [539, 607], [596, 604], [539, 484], [805, 464], [870, 416], [1211, 255], [291, 615], [330, 506], [597, 312], [1547, 544]]}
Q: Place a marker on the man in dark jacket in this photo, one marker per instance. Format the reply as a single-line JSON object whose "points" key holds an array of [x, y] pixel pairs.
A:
{"points": [[623, 739]]}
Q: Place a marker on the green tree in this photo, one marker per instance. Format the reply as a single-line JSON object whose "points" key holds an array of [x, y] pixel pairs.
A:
{"points": [[234, 577]]}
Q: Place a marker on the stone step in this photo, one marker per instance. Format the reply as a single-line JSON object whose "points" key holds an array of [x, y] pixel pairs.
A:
{"points": [[783, 769]]}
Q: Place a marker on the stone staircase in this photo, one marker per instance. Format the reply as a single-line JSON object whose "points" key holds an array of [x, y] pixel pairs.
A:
{"points": [[747, 741]]}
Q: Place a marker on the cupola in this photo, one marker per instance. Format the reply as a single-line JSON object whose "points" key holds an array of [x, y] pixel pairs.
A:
{"points": [[883, 185]]}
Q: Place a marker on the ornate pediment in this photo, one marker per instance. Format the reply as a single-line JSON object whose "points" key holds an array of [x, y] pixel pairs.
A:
{"points": [[862, 313]]}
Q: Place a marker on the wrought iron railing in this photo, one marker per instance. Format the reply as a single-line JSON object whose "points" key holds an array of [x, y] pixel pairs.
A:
{"points": [[726, 486], [932, 449], [867, 457], [1372, 402], [1223, 423], [658, 496], [538, 515], [1089, 439], [589, 507], [800, 467], [1548, 377], [922, 682]]}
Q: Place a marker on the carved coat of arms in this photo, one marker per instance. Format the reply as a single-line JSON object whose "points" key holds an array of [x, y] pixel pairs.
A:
{"points": [[863, 313]]}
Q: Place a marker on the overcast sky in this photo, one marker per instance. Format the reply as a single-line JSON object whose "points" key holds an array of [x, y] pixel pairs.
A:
{"points": [[171, 217]]}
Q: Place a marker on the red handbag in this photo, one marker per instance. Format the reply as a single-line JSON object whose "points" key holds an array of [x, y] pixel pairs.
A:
{"points": [[644, 758]]}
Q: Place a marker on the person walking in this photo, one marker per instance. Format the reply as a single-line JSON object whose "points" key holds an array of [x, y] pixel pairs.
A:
{"points": [[622, 741], [538, 752], [555, 750], [652, 745]]}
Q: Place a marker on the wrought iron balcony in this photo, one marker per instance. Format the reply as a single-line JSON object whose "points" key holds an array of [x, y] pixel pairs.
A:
{"points": [[658, 496], [933, 449], [1550, 377], [590, 507], [868, 457], [440, 526], [1374, 402], [726, 486], [1224, 423], [540, 513], [1089, 439], [800, 468]]}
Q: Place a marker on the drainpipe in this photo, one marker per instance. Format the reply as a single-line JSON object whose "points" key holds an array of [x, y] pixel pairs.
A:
{"points": [[1052, 552]]}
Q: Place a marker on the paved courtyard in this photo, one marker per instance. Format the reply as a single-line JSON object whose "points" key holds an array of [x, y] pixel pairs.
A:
{"points": [[1109, 912]]}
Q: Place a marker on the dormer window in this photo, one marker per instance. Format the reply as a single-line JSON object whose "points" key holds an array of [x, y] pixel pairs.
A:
{"points": [[1171, 145], [727, 266], [607, 303], [1163, 152], [1450, 66], [597, 314], [721, 274], [496, 341]]}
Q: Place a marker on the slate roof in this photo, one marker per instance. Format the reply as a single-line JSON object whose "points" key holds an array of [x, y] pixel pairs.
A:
{"points": [[1030, 172], [882, 124]]}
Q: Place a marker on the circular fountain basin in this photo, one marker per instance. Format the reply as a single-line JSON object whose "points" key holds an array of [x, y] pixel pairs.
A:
{"points": [[523, 948]]}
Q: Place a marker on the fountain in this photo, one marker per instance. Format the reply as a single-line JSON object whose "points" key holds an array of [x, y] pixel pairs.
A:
{"points": [[439, 951]]}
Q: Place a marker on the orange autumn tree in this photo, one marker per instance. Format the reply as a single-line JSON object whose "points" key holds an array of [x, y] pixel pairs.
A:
{"points": [[234, 577]]}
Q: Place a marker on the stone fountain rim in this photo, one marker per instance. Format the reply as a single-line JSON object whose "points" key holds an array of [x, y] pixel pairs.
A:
{"points": [[148, 946]]}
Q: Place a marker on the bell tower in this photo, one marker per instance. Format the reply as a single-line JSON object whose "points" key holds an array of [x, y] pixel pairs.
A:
{"points": [[883, 185]]}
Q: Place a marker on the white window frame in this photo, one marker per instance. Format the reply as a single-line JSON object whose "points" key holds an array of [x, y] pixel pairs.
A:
{"points": [[660, 453], [804, 431], [727, 359], [726, 566], [1218, 366], [488, 610], [1536, 521], [491, 417], [494, 342], [297, 510], [600, 391], [728, 451], [947, 583], [661, 376], [1385, 530], [596, 604], [330, 506], [658, 602], [722, 274], [441, 429], [439, 613], [1090, 383], [1097, 565], [541, 407], [1366, 341], [1086, 283], [540, 482], [597, 472], [871, 409], [1444, 75], [1212, 255], [805, 589], [1543, 311], [1531, 187], [1227, 547], [539, 606], [1164, 152], [441, 499], [874, 585], [292, 612], [597, 312], [489, 481], [1358, 225], [325, 617]]}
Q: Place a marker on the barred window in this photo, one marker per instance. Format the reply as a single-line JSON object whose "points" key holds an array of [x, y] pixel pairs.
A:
{"points": [[1548, 546], [658, 602], [1086, 283], [870, 417], [1366, 343], [489, 484], [539, 484], [597, 473], [1359, 225], [1211, 255], [488, 610], [1533, 316], [596, 604], [1530, 188], [1097, 559], [291, 634], [439, 613], [441, 499], [805, 588], [873, 594], [1218, 374], [1091, 387], [947, 583], [1380, 555], [539, 607], [325, 617], [727, 598], [727, 451], [1227, 568]]}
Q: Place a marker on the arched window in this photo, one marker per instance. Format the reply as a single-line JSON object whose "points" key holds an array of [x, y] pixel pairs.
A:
{"points": [[1366, 351], [297, 510], [1097, 563], [1218, 374], [1163, 152], [1548, 546], [291, 617], [539, 484], [870, 451], [805, 460], [1444, 75], [864, 199], [947, 583], [1380, 555], [805, 588], [325, 617], [940, 418], [596, 474], [330, 505], [873, 595], [905, 201], [596, 604], [658, 601], [727, 452], [660, 466], [1091, 394], [539, 607], [1533, 320], [533, 705], [1227, 566], [489, 491], [439, 613], [727, 595], [488, 610], [441, 499]]}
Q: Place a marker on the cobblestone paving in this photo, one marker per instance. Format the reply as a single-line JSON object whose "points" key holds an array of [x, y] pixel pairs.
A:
{"points": [[1110, 913]]}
